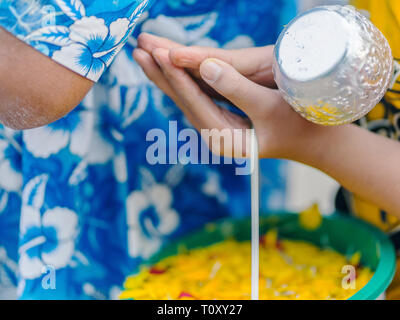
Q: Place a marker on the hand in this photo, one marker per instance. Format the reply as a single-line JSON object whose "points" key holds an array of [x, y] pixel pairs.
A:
{"points": [[244, 77], [363, 162]]}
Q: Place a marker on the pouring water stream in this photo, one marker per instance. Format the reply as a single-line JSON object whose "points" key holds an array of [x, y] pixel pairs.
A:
{"points": [[255, 217]]}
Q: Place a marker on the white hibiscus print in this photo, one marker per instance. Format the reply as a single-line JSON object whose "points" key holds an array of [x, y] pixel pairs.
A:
{"points": [[73, 131], [212, 187], [8, 270], [93, 46], [150, 218], [193, 30], [89, 45], [46, 239], [10, 151]]}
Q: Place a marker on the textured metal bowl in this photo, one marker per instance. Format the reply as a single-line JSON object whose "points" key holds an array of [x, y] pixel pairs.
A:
{"points": [[345, 89]]}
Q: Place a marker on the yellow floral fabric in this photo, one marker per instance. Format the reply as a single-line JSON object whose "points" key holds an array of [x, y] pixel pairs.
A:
{"points": [[384, 119]]}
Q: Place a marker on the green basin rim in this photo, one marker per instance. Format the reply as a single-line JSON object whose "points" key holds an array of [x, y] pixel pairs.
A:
{"points": [[345, 234]]}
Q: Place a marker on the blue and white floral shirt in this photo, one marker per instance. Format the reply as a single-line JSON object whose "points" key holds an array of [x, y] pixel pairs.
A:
{"points": [[80, 206]]}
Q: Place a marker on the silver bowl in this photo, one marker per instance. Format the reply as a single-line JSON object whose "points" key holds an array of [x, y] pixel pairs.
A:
{"points": [[332, 65]]}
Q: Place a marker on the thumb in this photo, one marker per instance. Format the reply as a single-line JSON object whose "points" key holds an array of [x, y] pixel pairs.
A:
{"points": [[242, 92]]}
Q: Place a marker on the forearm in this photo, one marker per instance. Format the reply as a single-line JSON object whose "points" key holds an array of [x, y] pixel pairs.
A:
{"points": [[365, 163], [35, 90]]}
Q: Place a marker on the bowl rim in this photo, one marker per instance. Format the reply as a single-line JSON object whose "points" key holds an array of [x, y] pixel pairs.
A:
{"points": [[374, 289], [385, 271], [386, 268]]}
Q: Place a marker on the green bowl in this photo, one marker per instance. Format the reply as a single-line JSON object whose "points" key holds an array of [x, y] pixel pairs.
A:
{"points": [[343, 234]]}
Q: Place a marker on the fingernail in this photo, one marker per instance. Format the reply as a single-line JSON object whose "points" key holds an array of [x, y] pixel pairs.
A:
{"points": [[210, 71], [137, 52], [178, 59], [157, 59], [185, 62]]}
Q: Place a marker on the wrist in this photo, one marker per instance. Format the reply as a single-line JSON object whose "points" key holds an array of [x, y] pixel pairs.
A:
{"points": [[316, 145]]}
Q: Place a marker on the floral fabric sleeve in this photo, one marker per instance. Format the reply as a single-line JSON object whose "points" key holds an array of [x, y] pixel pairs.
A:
{"points": [[82, 35]]}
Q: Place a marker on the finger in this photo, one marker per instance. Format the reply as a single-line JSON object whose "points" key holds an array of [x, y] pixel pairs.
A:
{"points": [[153, 72], [252, 98], [204, 114], [149, 42], [197, 106], [254, 63]]}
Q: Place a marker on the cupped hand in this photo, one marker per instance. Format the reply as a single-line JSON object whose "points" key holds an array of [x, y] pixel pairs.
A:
{"points": [[244, 77]]}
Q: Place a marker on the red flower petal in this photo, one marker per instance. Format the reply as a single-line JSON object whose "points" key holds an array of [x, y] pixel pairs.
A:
{"points": [[185, 295], [262, 241], [279, 245], [154, 270]]}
